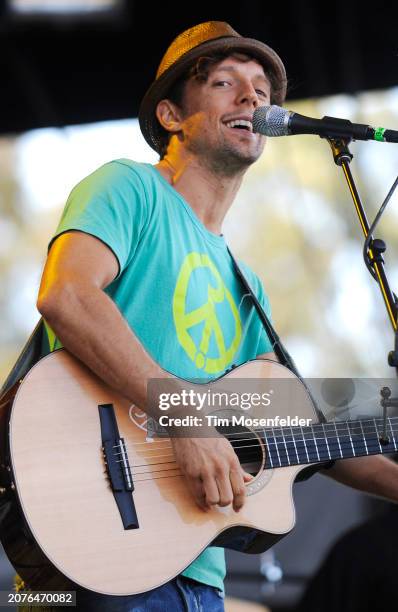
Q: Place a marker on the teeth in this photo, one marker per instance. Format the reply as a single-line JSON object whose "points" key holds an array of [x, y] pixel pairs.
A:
{"points": [[241, 122]]}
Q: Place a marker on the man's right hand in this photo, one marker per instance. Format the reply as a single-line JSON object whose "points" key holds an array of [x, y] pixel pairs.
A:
{"points": [[213, 472]]}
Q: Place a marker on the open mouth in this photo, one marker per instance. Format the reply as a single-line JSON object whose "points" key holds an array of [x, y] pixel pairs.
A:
{"points": [[240, 124]]}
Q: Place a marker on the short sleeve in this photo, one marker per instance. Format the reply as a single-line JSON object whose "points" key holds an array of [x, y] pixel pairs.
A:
{"points": [[109, 204]]}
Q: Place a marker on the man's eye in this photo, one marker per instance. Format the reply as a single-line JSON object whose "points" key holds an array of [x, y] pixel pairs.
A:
{"points": [[261, 93], [221, 83]]}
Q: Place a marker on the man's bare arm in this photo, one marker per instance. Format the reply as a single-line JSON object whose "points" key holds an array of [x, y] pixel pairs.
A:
{"points": [[376, 475], [90, 326], [86, 320]]}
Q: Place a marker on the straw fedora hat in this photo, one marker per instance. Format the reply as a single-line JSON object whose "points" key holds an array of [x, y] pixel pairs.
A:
{"points": [[203, 39]]}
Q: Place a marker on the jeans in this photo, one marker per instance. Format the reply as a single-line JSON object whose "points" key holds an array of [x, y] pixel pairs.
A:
{"points": [[179, 595]]}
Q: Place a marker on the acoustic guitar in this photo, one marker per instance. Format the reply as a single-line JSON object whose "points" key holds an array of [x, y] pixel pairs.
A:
{"points": [[90, 499]]}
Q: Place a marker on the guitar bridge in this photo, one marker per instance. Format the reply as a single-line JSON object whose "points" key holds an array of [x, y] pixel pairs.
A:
{"points": [[117, 466]]}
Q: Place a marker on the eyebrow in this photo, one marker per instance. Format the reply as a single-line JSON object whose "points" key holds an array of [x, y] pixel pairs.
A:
{"points": [[257, 76]]}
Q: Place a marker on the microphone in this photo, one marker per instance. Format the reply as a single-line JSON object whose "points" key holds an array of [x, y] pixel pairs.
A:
{"points": [[277, 121]]}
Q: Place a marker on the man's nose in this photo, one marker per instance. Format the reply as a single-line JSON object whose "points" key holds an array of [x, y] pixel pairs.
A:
{"points": [[248, 94]]}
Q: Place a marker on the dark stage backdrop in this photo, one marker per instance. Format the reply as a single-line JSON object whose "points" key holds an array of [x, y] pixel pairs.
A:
{"points": [[68, 71]]}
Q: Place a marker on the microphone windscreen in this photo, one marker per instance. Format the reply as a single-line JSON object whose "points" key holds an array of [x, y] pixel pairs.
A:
{"points": [[271, 121]]}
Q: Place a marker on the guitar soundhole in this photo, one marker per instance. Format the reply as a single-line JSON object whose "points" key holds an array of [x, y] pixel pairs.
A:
{"points": [[247, 445]]}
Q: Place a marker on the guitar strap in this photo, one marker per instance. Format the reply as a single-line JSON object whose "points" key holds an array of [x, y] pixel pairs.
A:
{"points": [[277, 346], [30, 354]]}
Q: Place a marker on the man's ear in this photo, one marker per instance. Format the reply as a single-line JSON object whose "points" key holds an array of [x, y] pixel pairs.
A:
{"points": [[169, 115]]}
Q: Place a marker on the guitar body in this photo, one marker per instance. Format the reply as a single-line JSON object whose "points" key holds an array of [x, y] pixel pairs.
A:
{"points": [[60, 516]]}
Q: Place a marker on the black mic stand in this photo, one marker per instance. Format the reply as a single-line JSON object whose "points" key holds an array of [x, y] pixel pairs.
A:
{"points": [[342, 157]]}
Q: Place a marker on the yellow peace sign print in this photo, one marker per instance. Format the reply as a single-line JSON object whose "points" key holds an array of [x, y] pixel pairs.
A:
{"points": [[206, 314]]}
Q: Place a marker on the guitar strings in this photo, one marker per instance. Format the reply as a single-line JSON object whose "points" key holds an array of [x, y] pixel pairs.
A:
{"points": [[281, 449], [280, 443], [310, 454], [280, 440], [303, 430], [311, 458], [315, 459], [268, 466], [157, 478], [308, 428]]}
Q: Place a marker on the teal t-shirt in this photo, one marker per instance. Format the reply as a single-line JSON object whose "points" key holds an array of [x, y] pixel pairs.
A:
{"points": [[176, 285]]}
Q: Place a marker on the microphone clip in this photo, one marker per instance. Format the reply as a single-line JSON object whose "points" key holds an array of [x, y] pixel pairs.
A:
{"points": [[341, 152]]}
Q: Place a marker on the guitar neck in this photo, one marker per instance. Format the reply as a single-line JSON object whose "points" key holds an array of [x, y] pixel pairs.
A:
{"points": [[328, 441]]}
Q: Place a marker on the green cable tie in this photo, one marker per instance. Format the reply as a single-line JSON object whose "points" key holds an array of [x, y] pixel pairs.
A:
{"points": [[379, 134]]}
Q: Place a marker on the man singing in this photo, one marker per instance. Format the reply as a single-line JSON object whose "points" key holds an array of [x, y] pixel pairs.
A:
{"points": [[126, 283]]}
